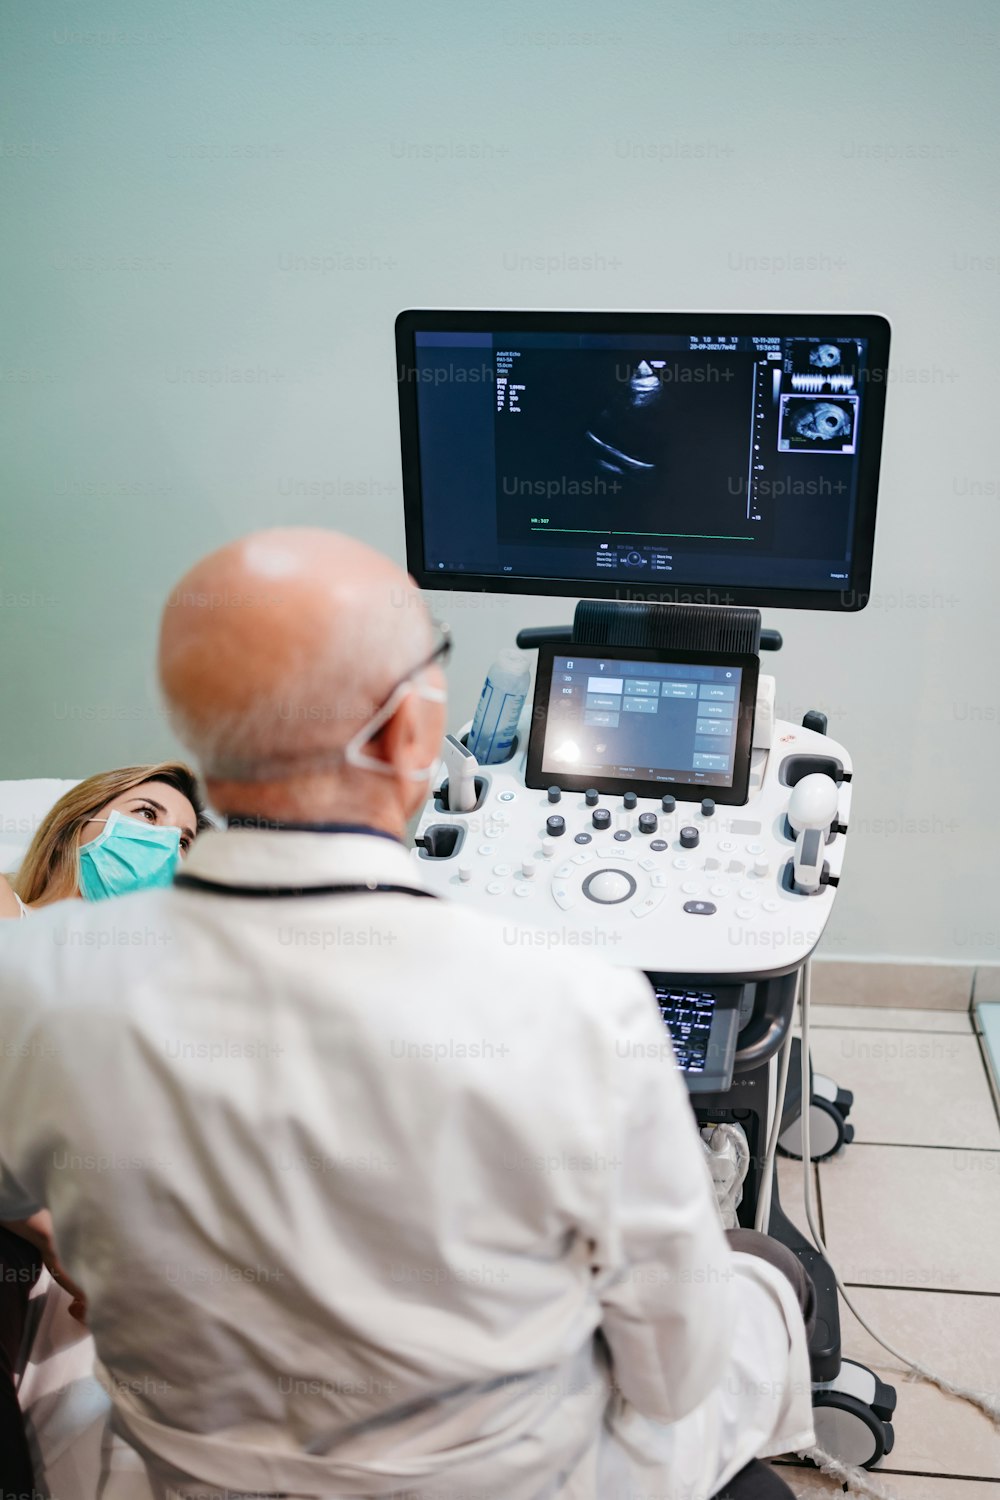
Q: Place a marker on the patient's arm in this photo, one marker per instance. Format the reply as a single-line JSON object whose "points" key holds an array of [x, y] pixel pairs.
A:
{"points": [[37, 1230]]}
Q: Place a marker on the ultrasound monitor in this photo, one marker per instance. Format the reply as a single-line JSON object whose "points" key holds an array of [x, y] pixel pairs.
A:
{"points": [[683, 458]]}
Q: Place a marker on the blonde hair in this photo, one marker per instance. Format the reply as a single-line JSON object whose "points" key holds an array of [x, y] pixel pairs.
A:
{"points": [[50, 869]]}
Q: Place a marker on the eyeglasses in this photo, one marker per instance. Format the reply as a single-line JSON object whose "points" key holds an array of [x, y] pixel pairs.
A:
{"points": [[441, 653]]}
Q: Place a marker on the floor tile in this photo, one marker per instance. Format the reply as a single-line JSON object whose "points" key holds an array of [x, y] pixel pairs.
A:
{"points": [[913, 1217], [890, 1018], [915, 986], [810, 1485], [957, 1337], [911, 1088]]}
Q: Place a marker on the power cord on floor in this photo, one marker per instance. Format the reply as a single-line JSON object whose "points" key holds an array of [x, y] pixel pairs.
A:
{"points": [[859, 1480]]}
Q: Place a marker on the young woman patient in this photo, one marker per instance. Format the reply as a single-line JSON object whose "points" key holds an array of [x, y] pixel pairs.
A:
{"points": [[115, 832]]}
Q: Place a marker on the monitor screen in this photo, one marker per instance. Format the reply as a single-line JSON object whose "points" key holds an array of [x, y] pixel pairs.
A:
{"points": [[690, 458], [643, 720]]}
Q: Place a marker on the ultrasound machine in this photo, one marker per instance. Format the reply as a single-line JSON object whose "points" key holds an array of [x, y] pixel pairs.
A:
{"points": [[673, 472]]}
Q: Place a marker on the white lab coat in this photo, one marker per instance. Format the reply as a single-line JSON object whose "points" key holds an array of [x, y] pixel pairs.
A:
{"points": [[352, 1183]]}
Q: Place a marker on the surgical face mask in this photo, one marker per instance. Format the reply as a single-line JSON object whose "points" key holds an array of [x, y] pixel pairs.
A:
{"points": [[129, 855], [354, 749]]}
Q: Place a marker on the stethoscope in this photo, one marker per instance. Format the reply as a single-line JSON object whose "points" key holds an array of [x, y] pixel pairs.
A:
{"points": [[271, 892]]}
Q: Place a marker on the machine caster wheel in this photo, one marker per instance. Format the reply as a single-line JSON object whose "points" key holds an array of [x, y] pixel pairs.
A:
{"points": [[828, 1130], [851, 1416]]}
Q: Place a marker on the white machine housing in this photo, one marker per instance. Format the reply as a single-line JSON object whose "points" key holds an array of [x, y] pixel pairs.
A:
{"points": [[726, 907]]}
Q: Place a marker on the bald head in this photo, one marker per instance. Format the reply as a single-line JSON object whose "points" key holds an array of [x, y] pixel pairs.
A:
{"points": [[277, 648]]}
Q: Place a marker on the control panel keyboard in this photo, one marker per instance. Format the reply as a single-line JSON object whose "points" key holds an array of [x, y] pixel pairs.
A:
{"points": [[687, 1015], [667, 883], [704, 1026]]}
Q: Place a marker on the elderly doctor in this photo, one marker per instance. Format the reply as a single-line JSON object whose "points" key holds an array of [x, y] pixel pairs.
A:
{"points": [[367, 1200]]}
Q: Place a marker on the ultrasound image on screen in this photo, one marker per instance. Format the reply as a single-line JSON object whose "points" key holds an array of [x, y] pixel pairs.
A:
{"points": [[642, 720], [824, 425], [827, 359], [592, 442]]}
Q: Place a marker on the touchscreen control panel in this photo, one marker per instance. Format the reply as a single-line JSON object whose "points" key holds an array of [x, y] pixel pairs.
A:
{"points": [[632, 717]]}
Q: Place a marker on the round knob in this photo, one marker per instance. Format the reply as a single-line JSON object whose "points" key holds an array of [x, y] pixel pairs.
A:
{"points": [[761, 866], [630, 799], [465, 872], [648, 822], [609, 885], [813, 803], [555, 794], [668, 803], [707, 807], [528, 869], [556, 825], [689, 838], [549, 847], [591, 796], [601, 817]]}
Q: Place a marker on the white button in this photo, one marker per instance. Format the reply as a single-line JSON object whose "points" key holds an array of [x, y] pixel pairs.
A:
{"points": [[486, 849], [771, 905], [523, 890], [756, 848], [528, 869], [584, 857], [563, 872], [465, 872], [493, 830], [495, 888], [563, 896], [646, 905], [659, 879], [726, 846], [647, 864], [680, 863], [690, 887], [616, 851], [718, 890], [735, 867], [548, 848], [748, 893], [501, 869], [744, 913], [609, 886], [761, 867], [507, 796]]}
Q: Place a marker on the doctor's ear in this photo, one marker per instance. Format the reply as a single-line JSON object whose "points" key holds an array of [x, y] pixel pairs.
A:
{"points": [[411, 740]]}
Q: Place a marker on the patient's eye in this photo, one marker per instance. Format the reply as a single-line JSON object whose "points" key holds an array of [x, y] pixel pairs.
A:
{"points": [[148, 812]]}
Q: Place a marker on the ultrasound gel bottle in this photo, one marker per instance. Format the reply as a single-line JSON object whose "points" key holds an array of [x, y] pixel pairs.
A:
{"points": [[491, 738]]}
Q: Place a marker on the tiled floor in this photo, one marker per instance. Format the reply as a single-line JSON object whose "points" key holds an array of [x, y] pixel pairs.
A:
{"points": [[911, 1216]]}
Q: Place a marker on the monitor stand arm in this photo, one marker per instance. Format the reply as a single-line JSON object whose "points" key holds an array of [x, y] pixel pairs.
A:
{"points": [[684, 626]]}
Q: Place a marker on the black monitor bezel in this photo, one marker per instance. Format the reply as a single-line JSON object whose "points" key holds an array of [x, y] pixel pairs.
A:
{"points": [[736, 795], [848, 600]]}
